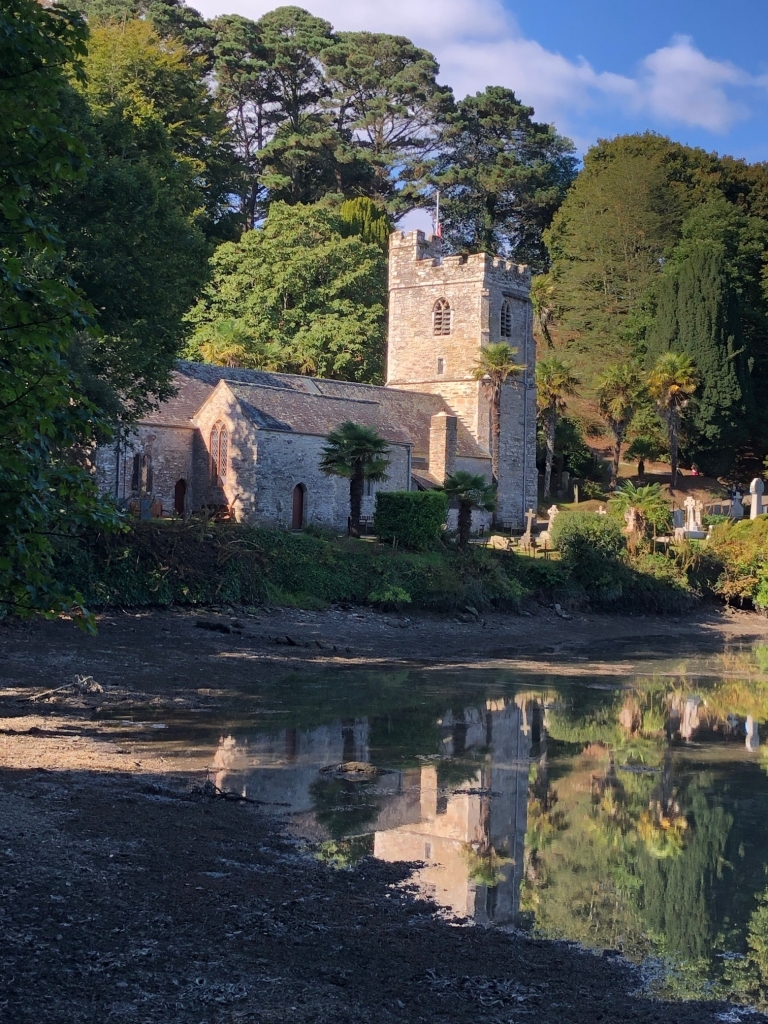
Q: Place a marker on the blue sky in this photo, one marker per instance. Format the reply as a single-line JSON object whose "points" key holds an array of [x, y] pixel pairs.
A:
{"points": [[696, 70]]}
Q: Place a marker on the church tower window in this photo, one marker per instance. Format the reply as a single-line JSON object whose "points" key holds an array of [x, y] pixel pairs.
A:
{"points": [[505, 324], [219, 451], [441, 317]]}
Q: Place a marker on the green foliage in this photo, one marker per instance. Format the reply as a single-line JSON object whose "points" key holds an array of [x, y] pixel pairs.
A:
{"points": [[555, 383], [581, 534], [671, 384], [412, 519], [654, 513], [364, 218], [470, 491], [494, 367], [390, 599], [740, 551], [698, 316], [620, 393], [135, 225], [570, 445], [501, 176], [385, 95], [591, 546], [304, 298], [47, 424], [357, 453]]}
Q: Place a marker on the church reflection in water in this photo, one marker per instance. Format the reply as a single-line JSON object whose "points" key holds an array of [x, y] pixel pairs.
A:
{"points": [[460, 815]]}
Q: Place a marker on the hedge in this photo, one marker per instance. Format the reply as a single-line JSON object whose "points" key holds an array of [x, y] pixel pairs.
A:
{"points": [[414, 519]]}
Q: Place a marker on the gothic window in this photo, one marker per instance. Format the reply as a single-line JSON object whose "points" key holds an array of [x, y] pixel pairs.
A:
{"points": [[219, 451], [506, 319], [441, 317]]}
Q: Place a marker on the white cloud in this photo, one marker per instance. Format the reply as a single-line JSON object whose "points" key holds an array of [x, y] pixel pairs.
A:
{"points": [[479, 43]]}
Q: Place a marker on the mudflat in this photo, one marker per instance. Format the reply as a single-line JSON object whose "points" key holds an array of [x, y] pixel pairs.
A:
{"points": [[132, 891]]}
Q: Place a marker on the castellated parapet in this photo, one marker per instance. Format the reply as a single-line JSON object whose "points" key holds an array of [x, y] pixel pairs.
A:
{"points": [[478, 300]]}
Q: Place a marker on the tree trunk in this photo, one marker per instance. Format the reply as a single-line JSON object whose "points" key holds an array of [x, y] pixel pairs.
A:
{"points": [[618, 434], [674, 440], [549, 430], [465, 523], [495, 432], [356, 482]]}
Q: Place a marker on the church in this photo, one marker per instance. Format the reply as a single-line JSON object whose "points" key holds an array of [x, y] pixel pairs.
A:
{"points": [[251, 441]]}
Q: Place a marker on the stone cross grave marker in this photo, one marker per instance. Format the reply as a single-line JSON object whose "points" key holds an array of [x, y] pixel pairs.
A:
{"points": [[698, 512], [526, 541], [756, 489], [737, 509], [690, 514]]}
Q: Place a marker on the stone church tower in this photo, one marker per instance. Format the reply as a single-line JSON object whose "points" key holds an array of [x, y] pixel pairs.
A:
{"points": [[442, 310]]}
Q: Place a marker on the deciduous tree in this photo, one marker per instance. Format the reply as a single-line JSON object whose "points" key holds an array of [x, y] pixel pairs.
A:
{"points": [[305, 298]]}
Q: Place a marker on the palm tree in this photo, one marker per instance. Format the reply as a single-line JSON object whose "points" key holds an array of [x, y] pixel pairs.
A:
{"points": [[471, 491], [358, 453], [227, 343], [672, 383], [620, 390], [555, 381], [494, 367], [543, 302], [652, 507]]}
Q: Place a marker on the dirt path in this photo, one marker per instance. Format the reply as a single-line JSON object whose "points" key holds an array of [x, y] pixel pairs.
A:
{"points": [[130, 894]]}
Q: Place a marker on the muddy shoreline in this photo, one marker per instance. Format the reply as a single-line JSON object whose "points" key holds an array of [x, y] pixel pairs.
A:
{"points": [[130, 893]]}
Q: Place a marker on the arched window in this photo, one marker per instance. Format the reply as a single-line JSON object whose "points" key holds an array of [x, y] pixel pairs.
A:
{"points": [[219, 450], [505, 325], [441, 317], [299, 510]]}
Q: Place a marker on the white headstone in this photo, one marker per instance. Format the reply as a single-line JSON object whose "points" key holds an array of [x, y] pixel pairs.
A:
{"points": [[690, 514], [753, 736], [756, 489], [698, 511], [552, 512], [602, 511], [737, 509]]}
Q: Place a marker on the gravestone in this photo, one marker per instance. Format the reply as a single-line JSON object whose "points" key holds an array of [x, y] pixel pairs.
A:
{"points": [[756, 489], [753, 736], [630, 520], [737, 509], [693, 511], [602, 511], [545, 538], [565, 483], [678, 518], [527, 541]]}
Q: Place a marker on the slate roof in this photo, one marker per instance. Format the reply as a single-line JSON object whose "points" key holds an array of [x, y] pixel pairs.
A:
{"points": [[311, 405]]}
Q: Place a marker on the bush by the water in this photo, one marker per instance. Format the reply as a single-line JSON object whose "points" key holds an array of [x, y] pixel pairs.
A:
{"points": [[201, 563], [414, 519], [594, 556], [737, 553], [164, 563]]}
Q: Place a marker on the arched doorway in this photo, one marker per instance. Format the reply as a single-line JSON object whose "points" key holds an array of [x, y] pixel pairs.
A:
{"points": [[297, 521], [179, 496]]}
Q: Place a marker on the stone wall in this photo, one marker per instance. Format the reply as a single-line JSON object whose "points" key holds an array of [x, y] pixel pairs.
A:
{"points": [[286, 460], [169, 454], [238, 487], [475, 287]]}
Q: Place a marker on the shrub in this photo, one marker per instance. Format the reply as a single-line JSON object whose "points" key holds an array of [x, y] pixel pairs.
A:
{"points": [[592, 547], [414, 519], [389, 599], [580, 534]]}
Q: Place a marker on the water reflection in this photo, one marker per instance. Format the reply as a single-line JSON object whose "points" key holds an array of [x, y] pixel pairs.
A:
{"points": [[630, 816]]}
